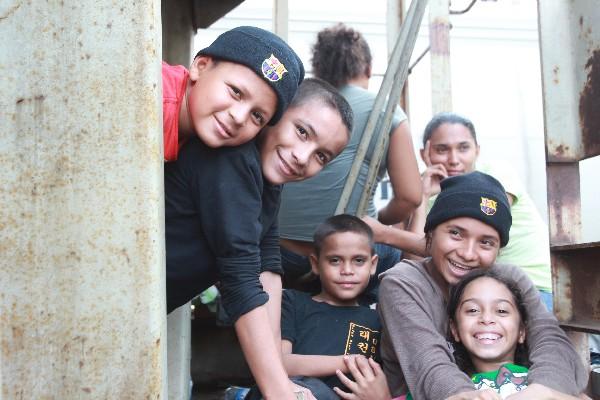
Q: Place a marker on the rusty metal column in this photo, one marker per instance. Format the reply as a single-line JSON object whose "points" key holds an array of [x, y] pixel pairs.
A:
{"points": [[394, 20], [571, 82], [439, 39], [82, 303], [177, 31], [179, 352], [178, 35]]}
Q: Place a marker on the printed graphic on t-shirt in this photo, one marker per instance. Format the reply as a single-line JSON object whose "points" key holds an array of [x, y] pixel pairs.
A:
{"points": [[507, 380], [362, 340]]}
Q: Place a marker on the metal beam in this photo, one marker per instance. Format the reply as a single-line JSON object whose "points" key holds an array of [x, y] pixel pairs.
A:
{"points": [[82, 305], [439, 39], [280, 18]]}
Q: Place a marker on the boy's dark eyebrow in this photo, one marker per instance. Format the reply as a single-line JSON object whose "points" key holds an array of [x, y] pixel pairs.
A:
{"points": [[461, 229], [465, 142], [340, 256]]}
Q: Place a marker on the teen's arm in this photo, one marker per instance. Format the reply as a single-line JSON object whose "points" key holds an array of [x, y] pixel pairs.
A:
{"points": [[262, 355], [404, 176], [270, 277], [554, 361], [271, 283], [405, 240], [311, 365]]}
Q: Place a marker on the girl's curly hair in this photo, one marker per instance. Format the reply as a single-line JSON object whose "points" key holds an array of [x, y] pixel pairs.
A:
{"points": [[340, 54]]}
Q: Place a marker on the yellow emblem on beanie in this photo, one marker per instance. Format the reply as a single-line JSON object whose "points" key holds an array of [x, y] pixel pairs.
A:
{"points": [[488, 206], [273, 69]]}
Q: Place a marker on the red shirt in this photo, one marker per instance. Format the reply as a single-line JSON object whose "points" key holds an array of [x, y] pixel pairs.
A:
{"points": [[174, 81]]}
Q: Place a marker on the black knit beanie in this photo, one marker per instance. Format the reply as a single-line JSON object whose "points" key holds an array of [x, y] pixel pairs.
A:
{"points": [[267, 55], [475, 195]]}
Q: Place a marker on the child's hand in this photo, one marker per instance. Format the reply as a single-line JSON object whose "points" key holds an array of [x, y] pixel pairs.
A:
{"points": [[369, 384], [487, 394], [433, 175]]}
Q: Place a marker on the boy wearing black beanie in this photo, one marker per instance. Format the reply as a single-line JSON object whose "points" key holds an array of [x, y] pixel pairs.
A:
{"points": [[243, 81], [476, 195]]}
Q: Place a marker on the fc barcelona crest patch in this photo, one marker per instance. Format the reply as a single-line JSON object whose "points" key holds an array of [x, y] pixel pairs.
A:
{"points": [[273, 69], [488, 206]]}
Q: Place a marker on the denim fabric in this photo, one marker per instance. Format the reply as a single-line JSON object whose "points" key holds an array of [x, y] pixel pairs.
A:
{"points": [[547, 300]]}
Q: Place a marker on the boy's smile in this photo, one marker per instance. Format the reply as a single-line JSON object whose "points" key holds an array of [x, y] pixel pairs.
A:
{"points": [[227, 103], [488, 324], [344, 265], [304, 140], [460, 245]]}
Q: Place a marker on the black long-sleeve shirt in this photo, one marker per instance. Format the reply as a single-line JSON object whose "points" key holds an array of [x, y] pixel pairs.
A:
{"points": [[221, 225]]}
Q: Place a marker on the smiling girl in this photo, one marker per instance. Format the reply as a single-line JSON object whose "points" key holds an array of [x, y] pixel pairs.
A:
{"points": [[487, 324]]}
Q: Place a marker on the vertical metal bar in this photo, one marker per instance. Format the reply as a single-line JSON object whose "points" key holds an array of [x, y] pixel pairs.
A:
{"points": [[407, 37], [582, 345], [178, 31], [280, 18], [179, 354], [570, 82], [394, 20], [399, 60], [178, 35], [564, 203], [82, 304], [439, 39]]}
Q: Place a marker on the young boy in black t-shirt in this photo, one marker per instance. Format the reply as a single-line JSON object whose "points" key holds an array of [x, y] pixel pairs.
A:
{"points": [[318, 332]]}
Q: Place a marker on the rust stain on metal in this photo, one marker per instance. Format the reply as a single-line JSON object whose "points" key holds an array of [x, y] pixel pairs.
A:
{"points": [[563, 189], [589, 106], [10, 11], [561, 149]]}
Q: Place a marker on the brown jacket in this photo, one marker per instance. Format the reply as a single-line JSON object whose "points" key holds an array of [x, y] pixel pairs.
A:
{"points": [[415, 352]]}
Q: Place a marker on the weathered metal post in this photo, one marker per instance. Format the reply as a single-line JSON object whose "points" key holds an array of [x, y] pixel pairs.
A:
{"points": [[178, 35], [280, 18], [82, 309], [571, 90], [439, 39]]}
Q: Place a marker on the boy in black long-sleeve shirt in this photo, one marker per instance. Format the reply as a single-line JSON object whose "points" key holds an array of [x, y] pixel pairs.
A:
{"points": [[221, 220]]}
